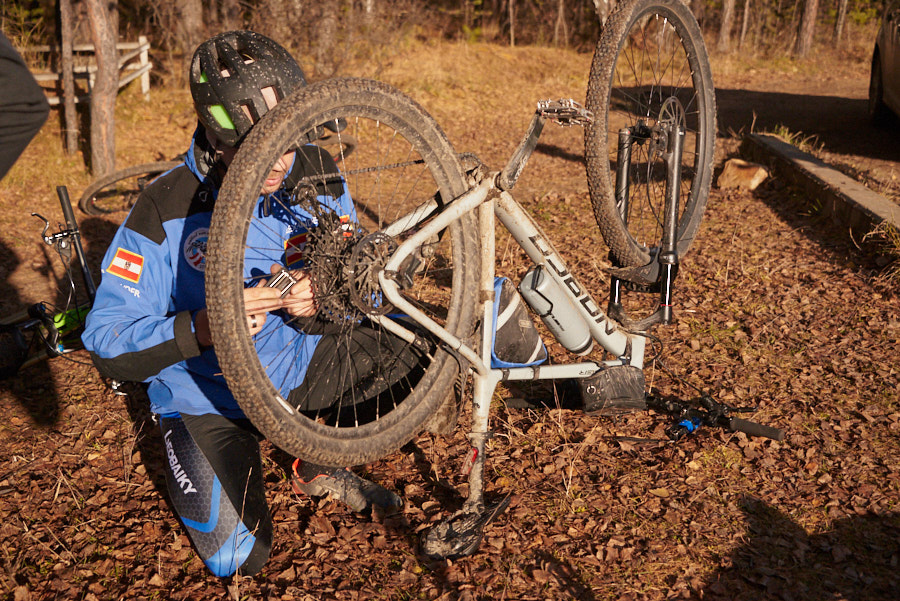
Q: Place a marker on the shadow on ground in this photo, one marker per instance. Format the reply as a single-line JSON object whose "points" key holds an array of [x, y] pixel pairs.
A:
{"points": [[857, 559], [840, 124]]}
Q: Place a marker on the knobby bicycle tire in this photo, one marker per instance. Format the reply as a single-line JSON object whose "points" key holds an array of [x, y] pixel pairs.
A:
{"points": [[401, 156], [630, 86], [122, 187]]}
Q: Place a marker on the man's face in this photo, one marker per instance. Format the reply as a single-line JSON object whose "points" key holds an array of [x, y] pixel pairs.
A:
{"points": [[279, 170], [278, 173]]}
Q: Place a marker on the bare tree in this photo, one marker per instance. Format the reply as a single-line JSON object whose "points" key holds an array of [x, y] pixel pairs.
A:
{"points": [[561, 24], [228, 14], [512, 22], [70, 117], [698, 7], [368, 12], [327, 37], [724, 43], [103, 17], [839, 21], [807, 28], [745, 23], [604, 8], [189, 29]]}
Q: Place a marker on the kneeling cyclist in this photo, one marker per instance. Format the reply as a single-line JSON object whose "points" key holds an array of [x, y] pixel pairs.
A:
{"points": [[149, 322]]}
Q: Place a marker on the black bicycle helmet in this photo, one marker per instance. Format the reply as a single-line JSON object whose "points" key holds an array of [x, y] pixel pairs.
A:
{"points": [[251, 63]]}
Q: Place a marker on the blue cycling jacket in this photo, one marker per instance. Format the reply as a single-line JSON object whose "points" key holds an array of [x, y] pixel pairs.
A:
{"points": [[141, 326]]}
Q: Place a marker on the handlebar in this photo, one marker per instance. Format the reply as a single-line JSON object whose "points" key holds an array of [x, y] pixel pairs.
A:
{"points": [[710, 413], [736, 424]]}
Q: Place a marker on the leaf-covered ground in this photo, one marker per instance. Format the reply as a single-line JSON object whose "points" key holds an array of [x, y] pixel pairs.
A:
{"points": [[776, 308]]}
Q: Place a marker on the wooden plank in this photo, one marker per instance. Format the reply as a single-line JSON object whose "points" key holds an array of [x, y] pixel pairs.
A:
{"points": [[137, 50]]}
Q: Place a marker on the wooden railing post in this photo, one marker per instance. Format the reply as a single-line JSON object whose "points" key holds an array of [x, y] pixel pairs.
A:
{"points": [[145, 60]]}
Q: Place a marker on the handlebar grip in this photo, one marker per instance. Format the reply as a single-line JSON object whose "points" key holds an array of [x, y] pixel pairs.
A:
{"points": [[66, 205], [736, 424]]}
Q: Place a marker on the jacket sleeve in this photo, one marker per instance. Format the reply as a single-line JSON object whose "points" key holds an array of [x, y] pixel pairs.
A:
{"points": [[23, 106], [132, 332]]}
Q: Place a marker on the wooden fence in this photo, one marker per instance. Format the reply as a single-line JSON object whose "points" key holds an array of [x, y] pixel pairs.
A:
{"points": [[134, 62]]}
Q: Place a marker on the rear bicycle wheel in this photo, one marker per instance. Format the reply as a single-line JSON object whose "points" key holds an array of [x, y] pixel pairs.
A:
{"points": [[336, 389], [119, 190], [650, 67]]}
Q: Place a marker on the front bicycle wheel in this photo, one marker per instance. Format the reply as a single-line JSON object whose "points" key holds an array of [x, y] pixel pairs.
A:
{"points": [[336, 388], [119, 190], [650, 69]]}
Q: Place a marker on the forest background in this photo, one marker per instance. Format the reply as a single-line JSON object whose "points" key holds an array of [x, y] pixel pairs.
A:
{"points": [[330, 34], [778, 308]]}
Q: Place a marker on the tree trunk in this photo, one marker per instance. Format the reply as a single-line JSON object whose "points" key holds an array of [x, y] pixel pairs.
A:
{"points": [[325, 41], [724, 43], [561, 24], [745, 23], [512, 22], [603, 8], [698, 7], [189, 30], [229, 15], [807, 28], [70, 117], [839, 22], [104, 24]]}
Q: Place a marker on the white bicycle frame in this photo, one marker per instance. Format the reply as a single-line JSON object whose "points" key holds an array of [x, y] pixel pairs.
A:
{"points": [[494, 204]]}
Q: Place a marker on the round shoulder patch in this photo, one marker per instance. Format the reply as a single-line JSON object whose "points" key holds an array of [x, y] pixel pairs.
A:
{"points": [[195, 248]]}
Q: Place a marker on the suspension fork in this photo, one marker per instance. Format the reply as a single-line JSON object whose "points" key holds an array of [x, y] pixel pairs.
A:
{"points": [[666, 258], [623, 187]]}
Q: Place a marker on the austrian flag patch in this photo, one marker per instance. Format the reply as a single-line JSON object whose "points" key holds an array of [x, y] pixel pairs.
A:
{"points": [[127, 265], [293, 248]]}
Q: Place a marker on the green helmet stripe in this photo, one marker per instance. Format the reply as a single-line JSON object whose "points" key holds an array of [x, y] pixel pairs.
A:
{"points": [[221, 116], [218, 111]]}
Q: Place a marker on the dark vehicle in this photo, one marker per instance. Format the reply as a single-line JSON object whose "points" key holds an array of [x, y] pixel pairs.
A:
{"points": [[884, 82]]}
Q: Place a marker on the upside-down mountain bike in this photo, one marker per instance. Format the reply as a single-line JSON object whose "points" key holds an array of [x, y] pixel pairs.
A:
{"points": [[414, 261]]}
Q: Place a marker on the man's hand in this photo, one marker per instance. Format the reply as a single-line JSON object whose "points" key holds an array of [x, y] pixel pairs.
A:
{"points": [[258, 302], [299, 301]]}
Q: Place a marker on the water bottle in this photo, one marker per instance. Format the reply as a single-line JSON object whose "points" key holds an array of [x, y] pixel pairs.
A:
{"points": [[556, 310]]}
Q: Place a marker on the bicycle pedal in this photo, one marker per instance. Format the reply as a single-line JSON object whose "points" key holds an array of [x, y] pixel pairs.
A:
{"points": [[565, 112]]}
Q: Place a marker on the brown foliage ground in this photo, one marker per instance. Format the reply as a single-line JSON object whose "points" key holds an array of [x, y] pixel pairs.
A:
{"points": [[775, 308]]}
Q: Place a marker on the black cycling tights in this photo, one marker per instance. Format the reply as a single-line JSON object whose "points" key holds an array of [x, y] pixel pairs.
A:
{"points": [[215, 479], [214, 470]]}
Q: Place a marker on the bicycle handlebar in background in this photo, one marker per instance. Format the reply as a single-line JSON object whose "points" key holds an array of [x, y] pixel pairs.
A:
{"points": [[736, 424], [72, 228]]}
